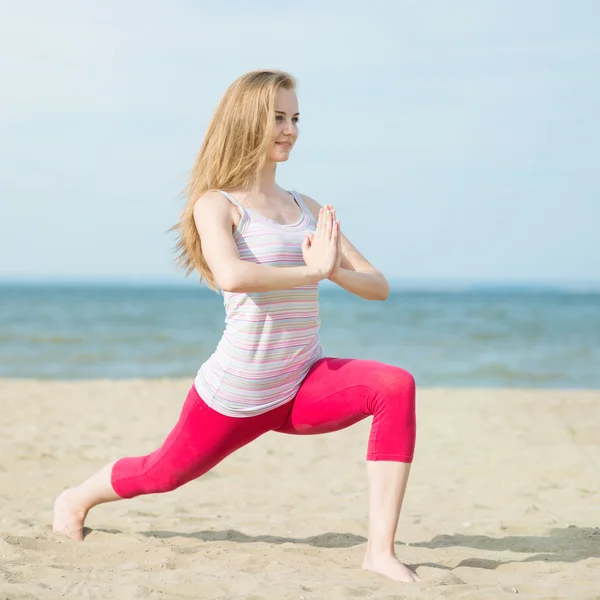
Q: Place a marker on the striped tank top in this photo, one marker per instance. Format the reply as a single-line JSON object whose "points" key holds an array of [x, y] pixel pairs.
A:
{"points": [[271, 339]]}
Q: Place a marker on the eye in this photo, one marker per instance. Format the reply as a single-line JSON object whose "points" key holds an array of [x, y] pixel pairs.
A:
{"points": [[296, 120], [278, 118]]}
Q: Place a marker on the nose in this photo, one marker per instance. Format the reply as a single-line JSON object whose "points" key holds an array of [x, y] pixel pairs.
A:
{"points": [[289, 128]]}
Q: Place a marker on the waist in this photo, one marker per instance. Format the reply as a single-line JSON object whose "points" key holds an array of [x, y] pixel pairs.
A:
{"points": [[243, 383], [270, 346]]}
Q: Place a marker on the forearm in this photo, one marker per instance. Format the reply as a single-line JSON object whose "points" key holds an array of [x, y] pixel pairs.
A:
{"points": [[370, 286], [247, 277]]}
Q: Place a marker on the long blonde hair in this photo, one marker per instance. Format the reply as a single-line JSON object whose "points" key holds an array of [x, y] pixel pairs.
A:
{"points": [[233, 152]]}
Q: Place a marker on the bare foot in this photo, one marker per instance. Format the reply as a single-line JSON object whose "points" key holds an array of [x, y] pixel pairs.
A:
{"points": [[68, 515], [390, 566]]}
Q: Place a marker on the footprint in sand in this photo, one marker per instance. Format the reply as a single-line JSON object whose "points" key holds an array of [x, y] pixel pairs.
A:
{"points": [[28, 543]]}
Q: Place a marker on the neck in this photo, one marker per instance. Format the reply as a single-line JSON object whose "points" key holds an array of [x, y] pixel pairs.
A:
{"points": [[266, 178]]}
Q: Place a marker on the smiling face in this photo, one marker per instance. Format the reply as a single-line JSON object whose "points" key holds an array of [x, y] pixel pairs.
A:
{"points": [[285, 129]]}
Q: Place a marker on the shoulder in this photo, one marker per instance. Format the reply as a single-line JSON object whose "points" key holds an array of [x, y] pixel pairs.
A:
{"points": [[214, 206], [210, 200], [313, 205]]}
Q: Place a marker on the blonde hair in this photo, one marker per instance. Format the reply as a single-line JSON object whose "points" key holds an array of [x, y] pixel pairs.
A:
{"points": [[233, 152]]}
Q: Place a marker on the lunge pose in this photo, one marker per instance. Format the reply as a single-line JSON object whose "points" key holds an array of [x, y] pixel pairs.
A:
{"points": [[266, 249]]}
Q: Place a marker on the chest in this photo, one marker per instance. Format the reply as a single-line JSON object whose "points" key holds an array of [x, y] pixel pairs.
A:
{"points": [[272, 244]]}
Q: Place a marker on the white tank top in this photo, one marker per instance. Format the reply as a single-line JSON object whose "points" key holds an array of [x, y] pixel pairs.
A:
{"points": [[271, 339]]}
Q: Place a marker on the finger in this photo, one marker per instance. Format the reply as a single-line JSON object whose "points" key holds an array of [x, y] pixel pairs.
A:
{"points": [[306, 243], [337, 225], [325, 218], [335, 240], [328, 223], [320, 221]]}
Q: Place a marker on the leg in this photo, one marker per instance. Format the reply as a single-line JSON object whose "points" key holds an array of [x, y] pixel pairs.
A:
{"points": [[387, 484], [72, 506], [339, 392], [200, 440]]}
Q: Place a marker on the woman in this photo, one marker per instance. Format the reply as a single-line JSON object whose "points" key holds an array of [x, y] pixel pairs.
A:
{"points": [[267, 249]]}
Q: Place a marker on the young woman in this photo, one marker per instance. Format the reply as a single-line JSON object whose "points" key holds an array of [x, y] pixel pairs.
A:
{"points": [[267, 249]]}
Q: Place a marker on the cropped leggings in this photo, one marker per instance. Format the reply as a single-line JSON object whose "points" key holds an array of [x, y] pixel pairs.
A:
{"points": [[335, 394]]}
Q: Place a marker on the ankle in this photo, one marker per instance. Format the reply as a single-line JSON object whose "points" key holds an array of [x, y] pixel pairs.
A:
{"points": [[380, 551], [75, 498]]}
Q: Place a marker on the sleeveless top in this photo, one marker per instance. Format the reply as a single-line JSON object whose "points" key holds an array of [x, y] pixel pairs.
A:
{"points": [[271, 339]]}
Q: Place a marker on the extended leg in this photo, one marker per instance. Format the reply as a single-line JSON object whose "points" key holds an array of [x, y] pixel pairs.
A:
{"points": [[200, 440]]}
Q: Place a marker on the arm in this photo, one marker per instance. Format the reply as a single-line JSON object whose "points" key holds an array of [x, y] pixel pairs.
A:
{"points": [[214, 222], [354, 272]]}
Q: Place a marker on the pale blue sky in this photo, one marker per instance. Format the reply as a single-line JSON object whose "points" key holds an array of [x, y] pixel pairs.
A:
{"points": [[458, 140]]}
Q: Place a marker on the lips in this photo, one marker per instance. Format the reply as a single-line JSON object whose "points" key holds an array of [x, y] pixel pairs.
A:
{"points": [[284, 144]]}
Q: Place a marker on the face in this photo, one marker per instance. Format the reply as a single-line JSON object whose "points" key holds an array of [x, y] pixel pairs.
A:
{"points": [[285, 132]]}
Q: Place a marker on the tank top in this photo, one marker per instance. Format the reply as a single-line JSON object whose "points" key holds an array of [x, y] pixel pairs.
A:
{"points": [[271, 339]]}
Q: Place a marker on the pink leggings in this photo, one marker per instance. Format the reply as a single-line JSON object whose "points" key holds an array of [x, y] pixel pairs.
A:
{"points": [[335, 394]]}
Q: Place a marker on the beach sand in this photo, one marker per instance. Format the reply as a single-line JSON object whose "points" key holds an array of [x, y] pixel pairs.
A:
{"points": [[503, 499]]}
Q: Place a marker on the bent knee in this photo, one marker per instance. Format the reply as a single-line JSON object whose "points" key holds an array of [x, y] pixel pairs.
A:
{"points": [[398, 382], [397, 390], [134, 478], [166, 484]]}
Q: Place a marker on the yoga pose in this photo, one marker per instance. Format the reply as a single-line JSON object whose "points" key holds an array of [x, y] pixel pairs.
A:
{"points": [[266, 249]]}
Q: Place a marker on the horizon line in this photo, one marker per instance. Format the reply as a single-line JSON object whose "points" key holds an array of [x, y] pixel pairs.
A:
{"points": [[396, 283]]}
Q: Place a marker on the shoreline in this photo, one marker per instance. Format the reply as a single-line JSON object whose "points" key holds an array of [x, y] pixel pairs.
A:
{"points": [[190, 380]]}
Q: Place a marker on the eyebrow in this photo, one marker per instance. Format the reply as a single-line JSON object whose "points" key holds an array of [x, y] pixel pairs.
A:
{"points": [[281, 112]]}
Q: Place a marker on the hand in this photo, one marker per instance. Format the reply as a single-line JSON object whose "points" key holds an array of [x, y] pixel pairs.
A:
{"points": [[338, 262], [320, 250]]}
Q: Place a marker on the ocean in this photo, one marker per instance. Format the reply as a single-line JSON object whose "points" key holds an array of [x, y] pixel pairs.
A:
{"points": [[527, 338]]}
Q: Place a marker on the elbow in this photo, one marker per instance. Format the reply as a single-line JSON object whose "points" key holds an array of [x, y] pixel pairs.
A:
{"points": [[235, 288], [237, 277], [231, 286], [383, 290], [379, 294], [382, 295], [229, 281]]}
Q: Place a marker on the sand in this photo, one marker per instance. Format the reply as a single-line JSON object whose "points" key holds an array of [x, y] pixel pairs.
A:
{"points": [[504, 499]]}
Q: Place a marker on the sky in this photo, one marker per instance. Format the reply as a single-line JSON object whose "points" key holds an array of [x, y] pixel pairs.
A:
{"points": [[457, 140]]}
